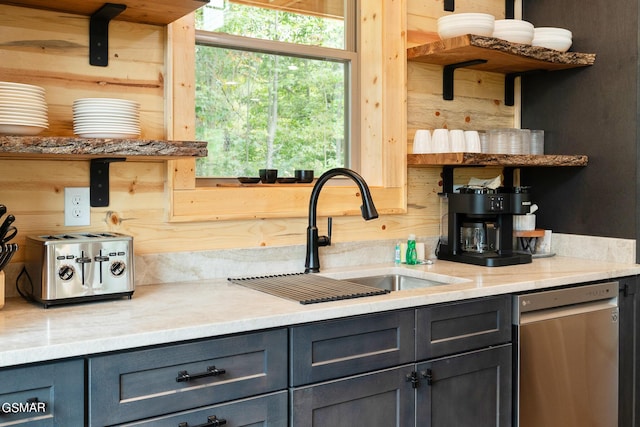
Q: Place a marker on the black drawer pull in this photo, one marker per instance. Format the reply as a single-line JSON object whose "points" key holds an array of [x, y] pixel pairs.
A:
{"points": [[212, 421], [212, 371]]}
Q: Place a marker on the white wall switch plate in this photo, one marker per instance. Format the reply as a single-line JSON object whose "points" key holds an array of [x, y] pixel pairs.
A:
{"points": [[77, 207]]}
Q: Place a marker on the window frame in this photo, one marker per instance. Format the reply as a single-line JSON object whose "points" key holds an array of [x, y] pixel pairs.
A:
{"points": [[348, 56], [382, 104]]}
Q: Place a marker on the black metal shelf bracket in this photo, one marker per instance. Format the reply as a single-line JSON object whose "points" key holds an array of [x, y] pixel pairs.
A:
{"points": [[99, 33], [509, 7], [99, 181], [509, 85], [447, 76]]}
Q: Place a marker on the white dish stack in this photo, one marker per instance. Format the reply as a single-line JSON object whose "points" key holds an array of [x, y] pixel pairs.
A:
{"points": [[23, 109], [459, 24], [106, 118], [513, 30], [559, 39]]}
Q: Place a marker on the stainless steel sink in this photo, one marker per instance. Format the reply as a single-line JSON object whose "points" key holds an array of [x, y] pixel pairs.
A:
{"points": [[397, 282]]}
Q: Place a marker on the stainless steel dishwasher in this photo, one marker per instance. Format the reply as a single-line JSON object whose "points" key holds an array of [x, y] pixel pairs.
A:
{"points": [[567, 357]]}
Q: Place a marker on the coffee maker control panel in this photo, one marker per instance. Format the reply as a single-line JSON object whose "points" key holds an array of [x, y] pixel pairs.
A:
{"points": [[496, 204]]}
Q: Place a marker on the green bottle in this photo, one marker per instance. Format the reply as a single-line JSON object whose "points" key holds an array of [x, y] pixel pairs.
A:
{"points": [[412, 255]]}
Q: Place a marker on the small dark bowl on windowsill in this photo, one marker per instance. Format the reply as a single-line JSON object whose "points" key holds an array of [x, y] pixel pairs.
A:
{"points": [[303, 175], [268, 176]]}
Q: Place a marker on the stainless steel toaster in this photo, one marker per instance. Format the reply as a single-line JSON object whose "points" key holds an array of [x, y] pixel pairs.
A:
{"points": [[76, 267]]}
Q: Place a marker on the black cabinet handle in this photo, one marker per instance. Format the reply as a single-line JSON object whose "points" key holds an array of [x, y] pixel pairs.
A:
{"points": [[428, 374], [212, 371], [212, 421]]}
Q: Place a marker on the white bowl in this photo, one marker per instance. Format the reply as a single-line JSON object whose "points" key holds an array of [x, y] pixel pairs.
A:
{"points": [[514, 36], [547, 31], [513, 24], [467, 17], [561, 44], [465, 23]]}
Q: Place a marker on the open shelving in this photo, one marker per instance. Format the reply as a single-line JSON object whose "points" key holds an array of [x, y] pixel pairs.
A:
{"points": [[494, 55]]}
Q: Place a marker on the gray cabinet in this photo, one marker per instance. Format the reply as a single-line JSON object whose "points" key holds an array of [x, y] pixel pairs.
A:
{"points": [[437, 366], [50, 394], [466, 376], [468, 389], [154, 382], [380, 399], [629, 355]]}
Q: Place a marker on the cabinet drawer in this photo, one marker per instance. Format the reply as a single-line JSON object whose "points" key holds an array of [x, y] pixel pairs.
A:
{"points": [[333, 349], [457, 327], [269, 410], [47, 395], [146, 383]]}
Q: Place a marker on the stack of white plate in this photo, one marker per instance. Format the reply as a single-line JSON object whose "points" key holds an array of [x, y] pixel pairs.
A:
{"points": [[552, 38], [23, 110], [513, 30], [460, 24], [106, 118]]}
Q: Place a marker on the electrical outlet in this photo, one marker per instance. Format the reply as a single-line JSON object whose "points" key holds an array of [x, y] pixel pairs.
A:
{"points": [[77, 208]]}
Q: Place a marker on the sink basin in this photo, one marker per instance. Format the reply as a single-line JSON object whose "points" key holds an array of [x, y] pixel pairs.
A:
{"points": [[397, 282]]}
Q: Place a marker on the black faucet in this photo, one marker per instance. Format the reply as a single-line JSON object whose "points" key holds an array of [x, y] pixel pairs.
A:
{"points": [[368, 209]]}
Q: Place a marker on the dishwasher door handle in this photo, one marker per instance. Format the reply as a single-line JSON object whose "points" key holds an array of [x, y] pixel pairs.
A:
{"points": [[570, 310]]}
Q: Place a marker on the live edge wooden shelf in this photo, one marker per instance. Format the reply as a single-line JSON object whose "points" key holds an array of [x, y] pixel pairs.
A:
{"points": [[505, 160], [73, 148], [100, 152], [450, 161], [494, 55]]}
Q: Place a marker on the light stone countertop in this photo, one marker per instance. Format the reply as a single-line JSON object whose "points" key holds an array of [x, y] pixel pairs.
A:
{"points": [[166, 313]]}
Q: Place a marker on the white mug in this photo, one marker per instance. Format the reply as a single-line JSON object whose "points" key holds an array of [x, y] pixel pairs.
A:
{"points": [[422, 142], [472, 141], [440, 140], [456, 140]]}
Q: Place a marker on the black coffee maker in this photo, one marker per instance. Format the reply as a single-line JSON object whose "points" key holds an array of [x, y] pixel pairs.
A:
{"points": [[479, 225]]}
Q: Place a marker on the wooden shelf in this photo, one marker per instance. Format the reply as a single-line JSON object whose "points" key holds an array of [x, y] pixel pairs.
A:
{"points": [[494, 55], [507, 160], [157, 12], [501, 55], [73, 148]]}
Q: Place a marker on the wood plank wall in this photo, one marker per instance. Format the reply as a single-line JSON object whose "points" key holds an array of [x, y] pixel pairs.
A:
{"points": [[50, 49]]}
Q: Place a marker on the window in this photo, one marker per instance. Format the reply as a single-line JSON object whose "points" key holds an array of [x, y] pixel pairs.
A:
{"points": [[274, 86]]}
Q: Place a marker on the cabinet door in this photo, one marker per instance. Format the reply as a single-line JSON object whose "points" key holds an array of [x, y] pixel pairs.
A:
{"points": [[452, 328], [380, 399], [267, 411], [470, 389], [147, 383], [339, 348], [629, 355], [51, 394]]}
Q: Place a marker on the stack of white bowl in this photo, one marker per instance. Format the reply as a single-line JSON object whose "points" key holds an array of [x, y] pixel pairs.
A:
{"points": [[552, 38], [106, 118], [513, 30], [23, 109], [460, 24]]}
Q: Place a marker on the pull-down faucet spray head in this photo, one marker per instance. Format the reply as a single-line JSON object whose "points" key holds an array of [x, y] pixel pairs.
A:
{"points": [[368, 210]]}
